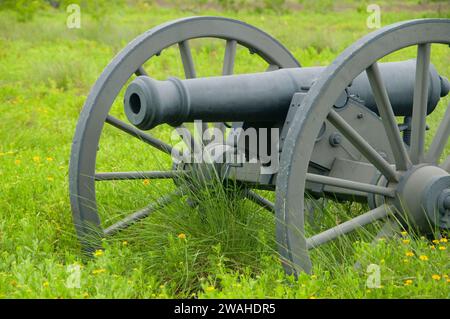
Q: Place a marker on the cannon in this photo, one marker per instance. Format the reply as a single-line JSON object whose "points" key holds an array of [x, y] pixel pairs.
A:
{"points": [[261, 97], [355, 130]]}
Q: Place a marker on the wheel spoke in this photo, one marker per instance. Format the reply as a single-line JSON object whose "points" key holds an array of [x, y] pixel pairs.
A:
{"points": [[143, 213], [186, 58], [228, 68], [141, 71], [361, 144], [189, 68], [398, 148], [166, 148], [357, 186], [346, 227], [114, 176], [261, 201], [230, 55], [272, 67], [420, 103], [440, 139]]}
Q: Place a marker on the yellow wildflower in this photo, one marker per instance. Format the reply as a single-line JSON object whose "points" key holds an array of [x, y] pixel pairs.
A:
{"points": [[409, 254], [85, 295], [98, 271], [443, 240], [45, 284], [210, 289], [432, 247], [404, 233], [436, 277], [98, 253], [49, 159], [51, 179], [408, 282], [405, 241], [423, 257], [435, 241], [442, 248], [181, 236], [36, 159], [146, 182], [312, 297], [124, 243], [17, 161]]}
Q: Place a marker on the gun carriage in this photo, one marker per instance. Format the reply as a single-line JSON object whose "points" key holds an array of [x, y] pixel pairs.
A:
{"points": [[339, 131]]}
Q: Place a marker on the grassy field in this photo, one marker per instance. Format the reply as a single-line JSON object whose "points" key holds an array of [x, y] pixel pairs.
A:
{"points": [[223, 248]]}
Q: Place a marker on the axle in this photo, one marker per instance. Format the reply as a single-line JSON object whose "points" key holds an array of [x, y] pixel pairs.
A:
{"points": [[262, 97]]}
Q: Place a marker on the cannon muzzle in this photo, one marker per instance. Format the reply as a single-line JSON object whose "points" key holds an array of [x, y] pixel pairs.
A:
{"points": [[261, 97]]}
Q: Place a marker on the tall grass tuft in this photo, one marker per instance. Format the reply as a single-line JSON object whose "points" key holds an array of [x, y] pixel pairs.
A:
{"points": [[211, 228]]}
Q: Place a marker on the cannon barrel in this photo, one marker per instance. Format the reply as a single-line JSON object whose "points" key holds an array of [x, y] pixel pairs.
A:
{"points": [[261, 97]]}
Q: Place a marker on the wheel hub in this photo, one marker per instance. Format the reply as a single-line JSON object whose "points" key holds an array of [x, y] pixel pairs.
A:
{"points": [[423, 198]]}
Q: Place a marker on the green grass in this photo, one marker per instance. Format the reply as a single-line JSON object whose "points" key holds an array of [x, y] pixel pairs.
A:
{"points": [[228, 247]]}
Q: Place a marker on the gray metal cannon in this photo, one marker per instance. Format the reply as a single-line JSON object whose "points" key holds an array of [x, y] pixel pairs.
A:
{"points": [[262, 97], [356, 130]]}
